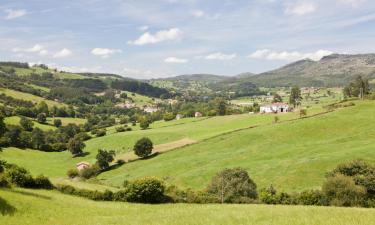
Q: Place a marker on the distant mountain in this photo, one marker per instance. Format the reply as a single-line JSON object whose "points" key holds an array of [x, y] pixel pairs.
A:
{"points": [[332, 70], [199, 77]]}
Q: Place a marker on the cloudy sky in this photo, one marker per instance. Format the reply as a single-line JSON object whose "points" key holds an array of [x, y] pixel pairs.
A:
{"points": [[159, 38]]}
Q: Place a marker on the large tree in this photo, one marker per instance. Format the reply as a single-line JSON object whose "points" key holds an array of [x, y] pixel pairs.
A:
{"points": [[76, 146], [230, 185], [104, 158], [143, 147], [295, 96], [26, 124]]}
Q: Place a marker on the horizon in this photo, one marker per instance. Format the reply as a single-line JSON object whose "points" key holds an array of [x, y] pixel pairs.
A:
{"points": [[167, 38]]}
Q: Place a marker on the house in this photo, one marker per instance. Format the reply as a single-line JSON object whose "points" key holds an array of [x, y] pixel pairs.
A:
{"points": [[198, 114], [82, 165], [150, 109], [179, 116], [275, 108]]}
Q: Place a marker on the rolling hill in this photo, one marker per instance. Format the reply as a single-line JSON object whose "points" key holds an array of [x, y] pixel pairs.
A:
{"points": [[333, 70]]}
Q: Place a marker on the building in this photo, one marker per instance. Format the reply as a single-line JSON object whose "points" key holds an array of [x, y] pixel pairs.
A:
{"points": [[198, 114], [150, 109], [179, 116], [275, 108], [82, 165]]}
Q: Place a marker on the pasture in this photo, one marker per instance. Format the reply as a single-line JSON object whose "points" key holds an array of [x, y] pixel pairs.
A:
{"points": [[50, 207]]}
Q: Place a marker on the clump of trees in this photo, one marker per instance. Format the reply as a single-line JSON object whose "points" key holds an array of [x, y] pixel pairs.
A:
{"points": [[360, 87], [295, 97]]}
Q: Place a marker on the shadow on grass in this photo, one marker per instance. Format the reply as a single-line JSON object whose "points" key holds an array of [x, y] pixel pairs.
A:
{"points": [[6, 208], [83, 154], [114, 166], [28, 193]]}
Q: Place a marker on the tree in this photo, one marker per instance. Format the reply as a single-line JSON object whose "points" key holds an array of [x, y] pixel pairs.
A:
{"points": [[37, 138], [221, 106], [42, 107], [230, 185], [124, 95], [144, 123], [143, 147], [342, 191], [2, 126], [26, 124], [277, 98], [76, 146], [360, 87], [57, 122], [104, 158], [295, 96], [41, 117]]}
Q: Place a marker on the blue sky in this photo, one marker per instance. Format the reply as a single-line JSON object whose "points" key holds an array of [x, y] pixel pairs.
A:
{"points": [[160, 38]]}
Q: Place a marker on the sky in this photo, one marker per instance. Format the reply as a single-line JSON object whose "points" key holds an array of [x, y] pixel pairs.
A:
{"points": [[161, 38]]}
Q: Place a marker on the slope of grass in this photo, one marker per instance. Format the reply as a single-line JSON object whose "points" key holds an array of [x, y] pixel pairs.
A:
{"points": [[293, 156], [29, 97], [29, 207], [15, 120], [67, 120]]}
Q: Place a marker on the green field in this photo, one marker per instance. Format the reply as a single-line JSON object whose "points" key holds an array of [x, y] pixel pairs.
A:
{"points": [[293, 156], [15, 120], [67, 120], [50, 207], [29, 97]]}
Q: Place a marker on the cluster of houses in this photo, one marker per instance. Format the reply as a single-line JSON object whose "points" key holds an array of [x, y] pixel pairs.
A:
{"points": [[196, 115], [275, 108]]}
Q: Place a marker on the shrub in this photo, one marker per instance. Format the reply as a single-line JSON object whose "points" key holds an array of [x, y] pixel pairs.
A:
{"points": [[57, 122], [341, 190], [143, 147], [89, 172], [72, 173], [101, 133], [145, 190], [42, 182], [312, 197], [83, 136], [42, 118], [120, 129], [144, 124], [169, 117], [3, 181], [59, 147], [231, 184], [18, 176], [128, 129]]}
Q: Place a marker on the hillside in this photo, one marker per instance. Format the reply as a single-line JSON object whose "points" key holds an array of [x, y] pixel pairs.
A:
{"points": [[292, 155], [333, 70], [31, 206]]}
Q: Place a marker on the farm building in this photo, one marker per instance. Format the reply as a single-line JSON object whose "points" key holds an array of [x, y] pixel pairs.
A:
{"points": [[198, 114], [275, 108], [82, 165], [179, 116]]}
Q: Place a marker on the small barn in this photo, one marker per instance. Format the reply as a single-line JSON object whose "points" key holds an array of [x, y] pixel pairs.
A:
{"points": [[82, 165], [198, 114], [275, 108]]}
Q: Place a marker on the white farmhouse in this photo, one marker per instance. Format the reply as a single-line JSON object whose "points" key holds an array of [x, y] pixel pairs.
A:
{"points": [[275, 108]]}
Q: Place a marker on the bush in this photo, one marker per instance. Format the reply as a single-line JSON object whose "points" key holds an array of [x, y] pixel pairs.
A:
{"points": [[101, 133], [146, 190], [42, 182], [231, 184], [313, 197], [89, 172], [72, 173], [18, 176], [143, 147], [3, 181], [83, 136], [169, 117], [120, 129], [57, 122], [341, 190]]}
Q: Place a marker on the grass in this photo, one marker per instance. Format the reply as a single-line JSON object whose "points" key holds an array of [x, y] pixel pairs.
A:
{"points": [[30, 207], [29, 97], [293, 156], [15, 120], [45, 89], [139, 100], [67, 120]]}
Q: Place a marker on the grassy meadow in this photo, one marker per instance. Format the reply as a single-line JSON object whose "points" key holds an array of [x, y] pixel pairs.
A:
{"points": [[15, 120], [50, 207], [29, 97], [292, 155]]}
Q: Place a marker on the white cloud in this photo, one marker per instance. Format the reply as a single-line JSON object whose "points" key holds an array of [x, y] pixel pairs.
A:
{"points": [[104, 52], [13, 14], [197, 13], [63, 53], [288, 56], [41, 50], [175, 60], [353, 3], [300, 8], [143, 28], [220, 56], [160, 36]]}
